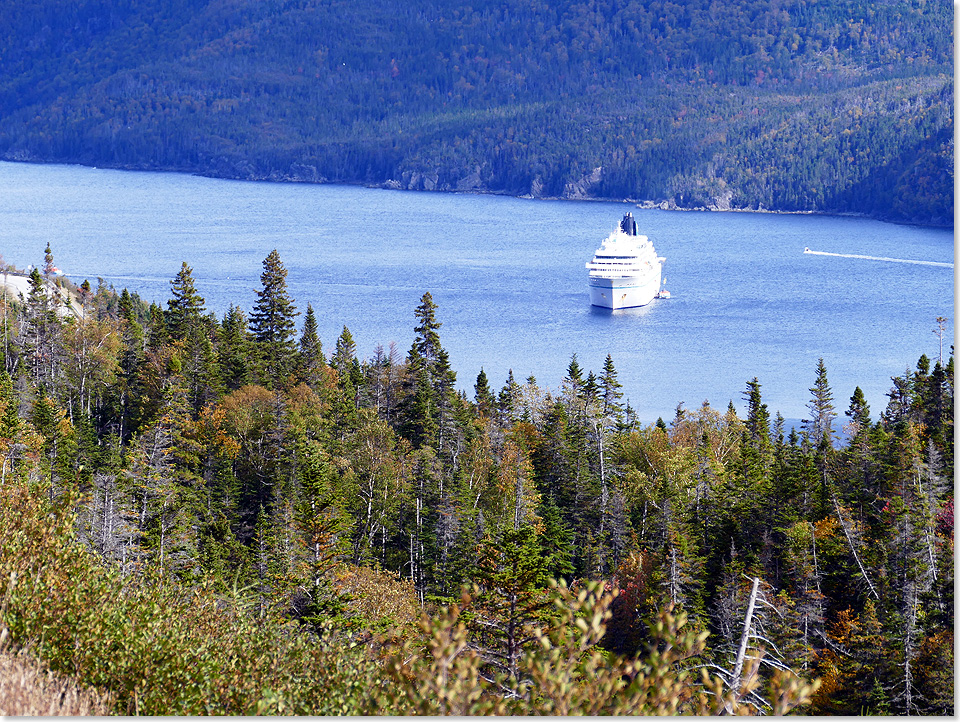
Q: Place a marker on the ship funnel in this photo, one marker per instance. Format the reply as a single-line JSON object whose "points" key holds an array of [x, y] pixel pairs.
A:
{"points": [[628, 225]]}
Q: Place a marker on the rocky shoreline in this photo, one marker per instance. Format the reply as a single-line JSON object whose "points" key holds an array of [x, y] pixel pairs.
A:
{"points": [[472, 182]]}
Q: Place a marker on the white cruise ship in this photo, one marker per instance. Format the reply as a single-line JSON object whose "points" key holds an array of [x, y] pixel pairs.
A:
{"points": [[626, 270]]}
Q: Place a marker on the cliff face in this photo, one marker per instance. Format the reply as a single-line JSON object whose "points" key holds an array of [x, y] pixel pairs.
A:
{"points": [[834, 106]]}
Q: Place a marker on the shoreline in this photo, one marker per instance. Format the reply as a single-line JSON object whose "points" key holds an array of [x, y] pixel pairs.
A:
{"points": [[391, 184]]}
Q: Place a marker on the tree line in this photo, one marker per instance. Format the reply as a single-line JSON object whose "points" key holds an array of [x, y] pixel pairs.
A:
{"points": [[237, 458], [840, 106]]}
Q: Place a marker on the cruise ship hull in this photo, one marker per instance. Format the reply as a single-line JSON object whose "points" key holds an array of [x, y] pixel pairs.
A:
{"points": [[624, 292]]}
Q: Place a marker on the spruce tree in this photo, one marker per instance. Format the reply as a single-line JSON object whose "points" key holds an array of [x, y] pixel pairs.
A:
{"points": [[192, 332], [310, 351], [234, 349], [859, 413], [344, 353], [822, 414], [610, 390], [131, 359], [186, 307], [508, 399], [273, 322], [427, 342], [41, 332], [512, 578], [574, 375], [430, 381], [156, 328], [48, 267], [758, 418], [350, 374], [483, 397]]}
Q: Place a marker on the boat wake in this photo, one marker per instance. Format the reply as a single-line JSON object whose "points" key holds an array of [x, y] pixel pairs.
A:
{"points": [[878, 258]]}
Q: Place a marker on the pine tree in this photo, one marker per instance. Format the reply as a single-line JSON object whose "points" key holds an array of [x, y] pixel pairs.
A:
{"points": [[41, 347], [156, 328], [273, 322], [508, 399], [512, 580], [234, 349], [610, 391], [859, 414], [186, 307], [822, 414], [483, 397], [349, 373], [48, 267], [310, 359], [427, 341]]}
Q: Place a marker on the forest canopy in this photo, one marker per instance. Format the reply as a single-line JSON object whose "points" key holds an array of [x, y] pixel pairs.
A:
{"points": [[833, 106], [219, 515]]}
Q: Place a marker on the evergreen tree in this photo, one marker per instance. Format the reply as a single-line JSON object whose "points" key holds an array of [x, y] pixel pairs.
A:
{"points": [[344, 353], [758, 418], [512, 580], [822, 414], [430, 382], [419, 408], [234, 349], [508, 399], [591, 389], [574, 377], [273, 322], [191, 331], [483, 397], [611, 393], [444, 386], [156, 328], [384, 379], [132, 355], [42, 327], [185, 308], [311, 351], [426, 344], [349, 373], [59, 441], [556, 542], [859, 413], [48, 267]]}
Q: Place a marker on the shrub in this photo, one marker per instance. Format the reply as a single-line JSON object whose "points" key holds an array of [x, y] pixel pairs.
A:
{"points": [[156, 647]]}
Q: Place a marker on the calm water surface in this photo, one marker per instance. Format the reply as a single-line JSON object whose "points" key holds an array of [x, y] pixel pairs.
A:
{"points": [[508, 277]]}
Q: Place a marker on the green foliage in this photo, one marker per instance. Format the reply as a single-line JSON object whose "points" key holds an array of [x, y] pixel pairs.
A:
{"points": [[160, 649], [159, 503], [833, 106], [565, 672], [272, 322]]}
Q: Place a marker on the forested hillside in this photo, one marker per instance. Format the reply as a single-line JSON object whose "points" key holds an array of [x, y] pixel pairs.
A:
{"points": [[833, 105], [203, 515]]}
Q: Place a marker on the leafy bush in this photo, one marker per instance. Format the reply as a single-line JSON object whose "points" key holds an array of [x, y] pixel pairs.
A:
{"points": [[159, 648]]}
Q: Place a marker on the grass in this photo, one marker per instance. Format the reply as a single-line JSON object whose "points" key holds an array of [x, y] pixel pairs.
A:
{"points": [[28, 689]]}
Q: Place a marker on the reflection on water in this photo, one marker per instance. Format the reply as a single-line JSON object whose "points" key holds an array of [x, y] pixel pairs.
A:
{"points": [[636, 311]]}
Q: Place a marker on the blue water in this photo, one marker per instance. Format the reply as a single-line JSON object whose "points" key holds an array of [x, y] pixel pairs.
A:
{"points": [[508, 277]]}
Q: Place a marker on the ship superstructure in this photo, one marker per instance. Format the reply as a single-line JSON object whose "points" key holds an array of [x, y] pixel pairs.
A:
{"points": [[625, 271]]}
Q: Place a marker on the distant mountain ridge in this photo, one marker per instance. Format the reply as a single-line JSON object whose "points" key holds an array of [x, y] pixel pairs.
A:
{"points": [[828, 105]]}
